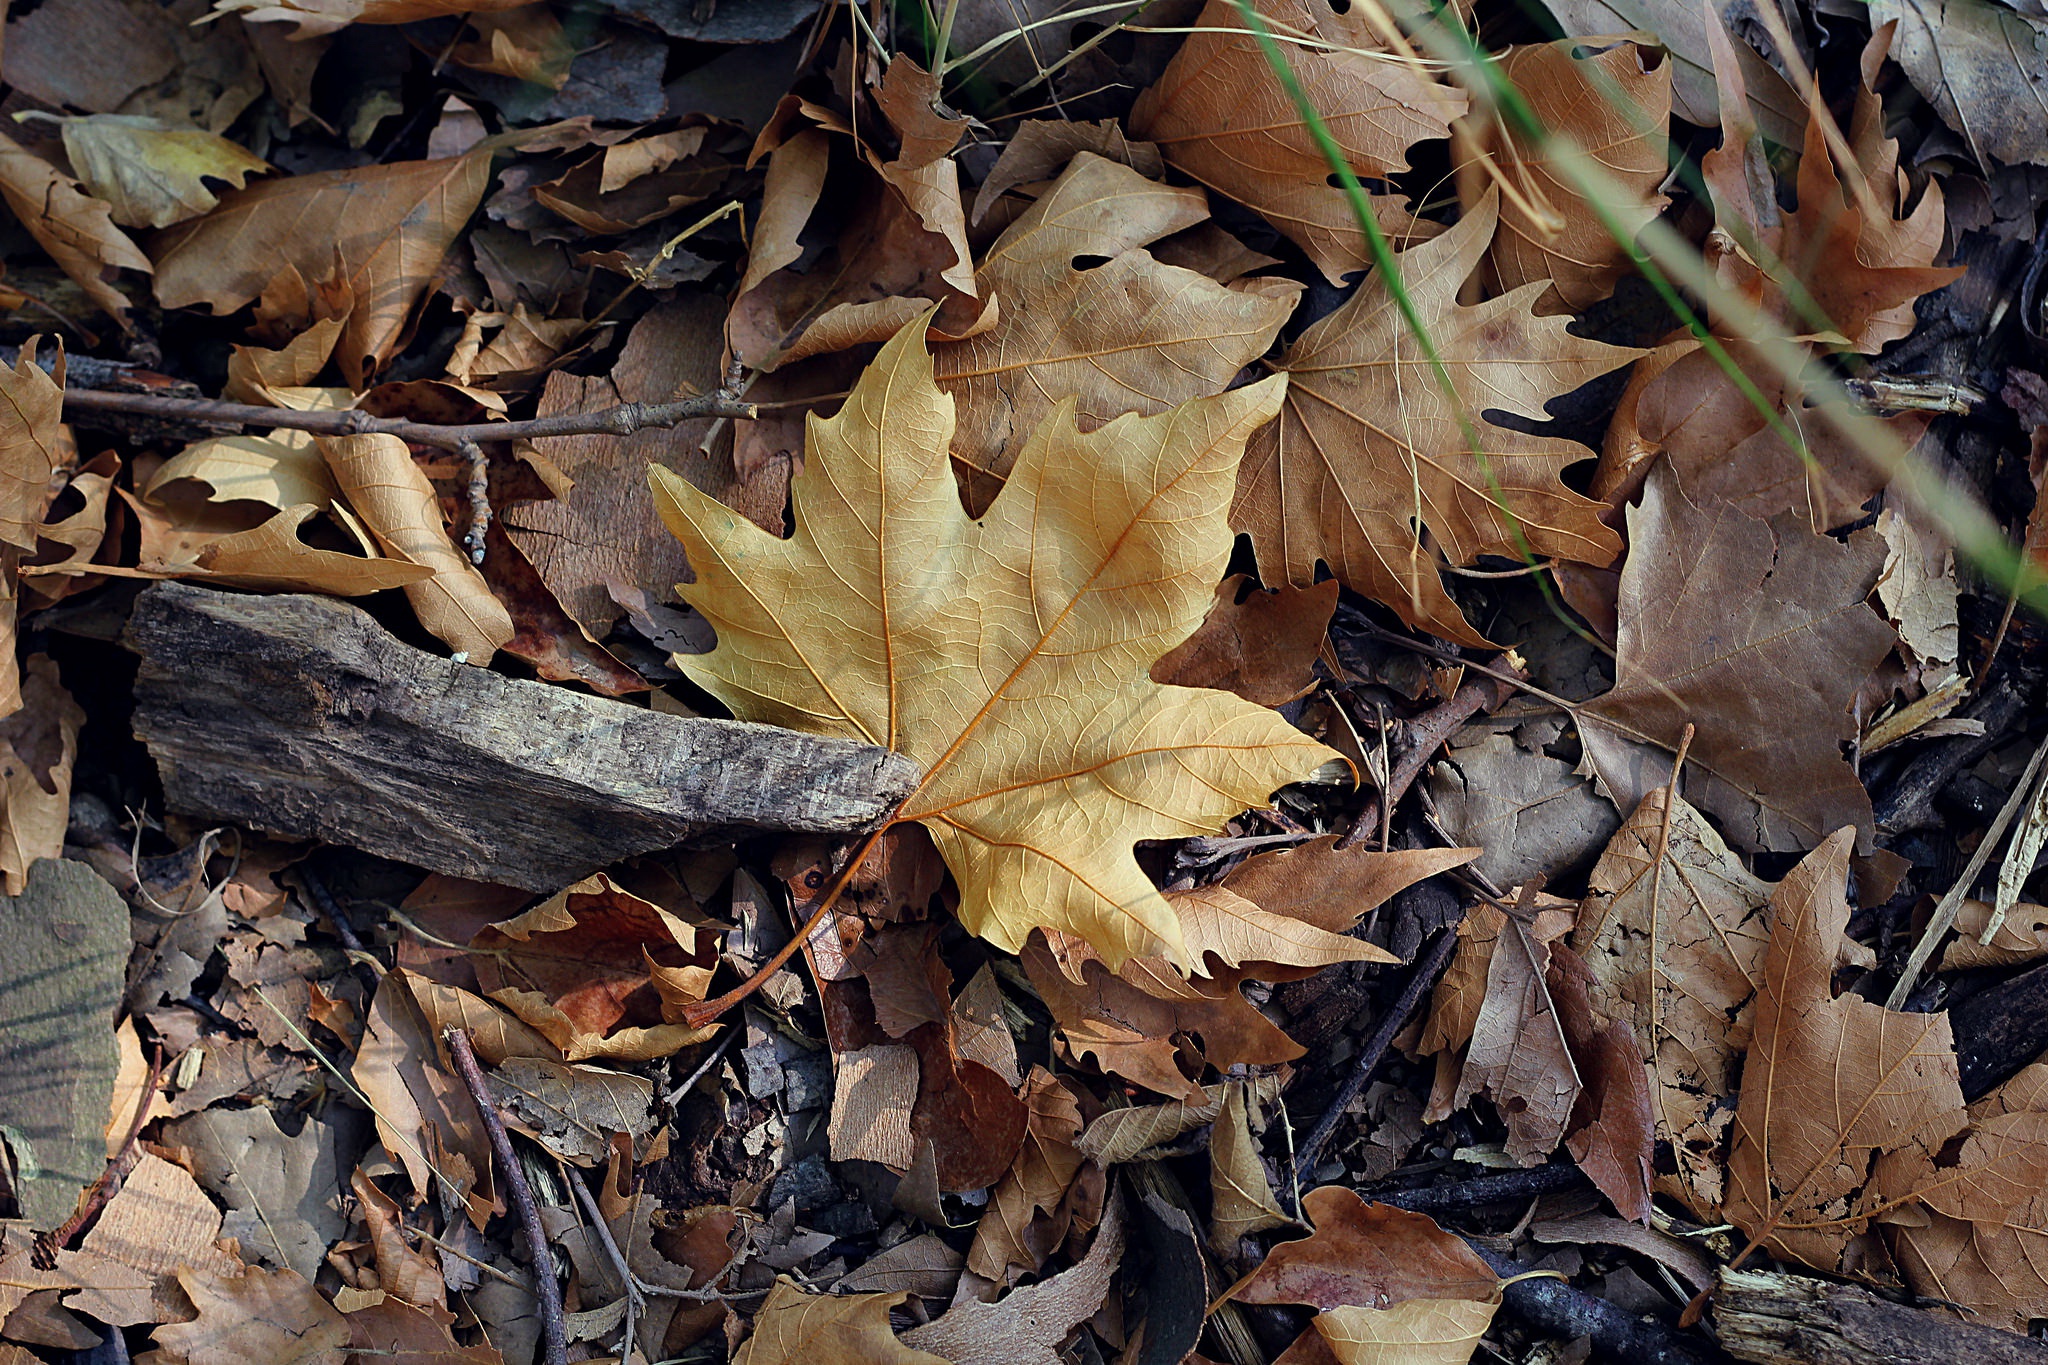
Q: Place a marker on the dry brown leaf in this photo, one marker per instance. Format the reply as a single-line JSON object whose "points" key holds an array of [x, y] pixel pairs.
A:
{"points": [[38, 744], [267, 557], [316, 17], [1612, 1130], [275, 1316], [1333, 888], [1126, 335], [1040, 148], [1830, 1082], [1026, 1326], [1219, 924], [1366, 1255], [390, 1330], [1983, 66], [1612, 103], [402, 1272], [2022, 936], [1742, 629], [150, 172], [32, 446], [1240, 1194], [1027, 1217], [796, 1327], [1413, 1332], [1122, 1134], [425, 1118], [1518, 1055], [599, 972], [1681, 947], [1455, 1001], [397, 502], [1050, 756], [1221, 116], [68, 223], [1368, 448], [1260, 645], [390, 225]]}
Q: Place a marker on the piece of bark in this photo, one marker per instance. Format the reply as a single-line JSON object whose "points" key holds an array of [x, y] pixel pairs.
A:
{"points": [[1999, 1030], [302, 716], [1614, 1334], [1792, 1320]]}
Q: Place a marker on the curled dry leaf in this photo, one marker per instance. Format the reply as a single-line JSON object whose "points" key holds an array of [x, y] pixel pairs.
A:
{"points": [[425, 1118], [1221, 116], [1026, 1326], [1240, 1194], [1224, 929], [1123, 1134], [150, 172], [2022, 936], [402, 1271], [275, 1316], [266, 557], [1830, 1082], [1681, 946], [1048, 751], [274, 470], [1260, 645], [1742, 629], [1333, 888], [1612, 104], [1369, 449], [68, 223], [397, 502], [599, 972], [796, 1327], [1028, 1213], [31, 442], [1128, 334], [390, 225], [1366, 1255], [1519, 1055]]}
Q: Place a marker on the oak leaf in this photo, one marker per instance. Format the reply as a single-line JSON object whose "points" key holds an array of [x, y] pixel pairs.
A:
{"points": [[391, 225], [1368, 449], [70, 224], [1756, 633], [1220, 115], [795, 1327], [1008, 655], [153, 173], [269, 1315], [1830, 1082], [1681, 944], [1612, 103], [1129, 334]]}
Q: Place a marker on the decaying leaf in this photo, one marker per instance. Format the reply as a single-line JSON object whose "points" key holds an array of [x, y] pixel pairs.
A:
{"points": [[1984, 66], [1369, 449], [1371, 1255], [1122, 1134], [397, 502], [1025, 1326], [1518, 1054], [31, 442], [795, 1327], [1115, 524], [1028, 1214], [390, 226], [1830, 1082], [1129, 334], [1745, 630], [153, 173], [1682, 945], [1221, 116]]}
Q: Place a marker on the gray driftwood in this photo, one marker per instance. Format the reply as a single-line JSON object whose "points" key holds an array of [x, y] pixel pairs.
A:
{"points": [[1795, 1320], [302, 716]]}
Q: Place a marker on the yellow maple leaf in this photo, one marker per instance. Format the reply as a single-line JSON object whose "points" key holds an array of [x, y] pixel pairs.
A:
{"points": [[1009, 656]]}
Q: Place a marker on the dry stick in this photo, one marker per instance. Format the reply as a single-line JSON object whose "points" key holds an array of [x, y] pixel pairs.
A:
{"points": [[704, 1011], [1428, 733], [1425, 975], [467, 440], [109, 1183], [547, 1291]]}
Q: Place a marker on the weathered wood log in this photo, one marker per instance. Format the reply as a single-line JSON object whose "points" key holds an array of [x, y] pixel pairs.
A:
{"points": [[1793, 1320], [302, 716]]}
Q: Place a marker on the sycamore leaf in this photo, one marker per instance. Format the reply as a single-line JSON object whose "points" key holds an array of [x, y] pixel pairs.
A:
{"points": [[1220, 116], [1613, 104], [1128, 335], [1368, 449], [1220, 924], [38, 743], [275, 1316], [795, 1327], [391, 225], [1757, 634], [1009, 655], [266, 557], [150, 172], [1682, 946], [1830, 1081], [1333, 888], [280, 470], [68, 223]]}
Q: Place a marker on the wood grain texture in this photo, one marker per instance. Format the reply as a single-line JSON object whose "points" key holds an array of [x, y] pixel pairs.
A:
{"points": [[1792, 1320], [302, 716]]}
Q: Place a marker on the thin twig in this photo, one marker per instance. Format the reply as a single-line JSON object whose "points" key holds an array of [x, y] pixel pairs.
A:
{"points": [[109, 1183], [547, 1290], [1427, 734], [1425, 975], [703, 1068]]}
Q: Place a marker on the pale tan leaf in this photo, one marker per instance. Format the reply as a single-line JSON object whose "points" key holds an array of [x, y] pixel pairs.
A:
{"points": [[1122, 1134], [68, 223], [1413, 1332], [162, 1225], [1240, 1196], [275, 1316], [1830, 1081], [31, 442], [1368, 448], [389, 224], [1048, 750], [392, 494], [270, 556], [795, 1327], [283, 469], [152, 173], [1221, 116], [1682, 946], [1518, 1055], [39, 743], [1026, 1326], [1218, 923], [2021, 937]]}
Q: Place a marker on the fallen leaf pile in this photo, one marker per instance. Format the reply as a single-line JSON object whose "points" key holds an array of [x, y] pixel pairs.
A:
{"points": [[1426, 744]]}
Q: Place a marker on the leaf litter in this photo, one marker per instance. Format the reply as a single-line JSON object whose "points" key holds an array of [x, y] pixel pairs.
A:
{"points": [[1291, 624]]}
